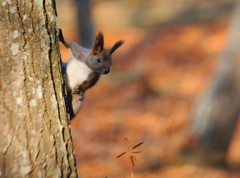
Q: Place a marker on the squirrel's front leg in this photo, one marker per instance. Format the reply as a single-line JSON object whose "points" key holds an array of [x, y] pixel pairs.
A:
{"points": [[77, 90], [80, 88]]}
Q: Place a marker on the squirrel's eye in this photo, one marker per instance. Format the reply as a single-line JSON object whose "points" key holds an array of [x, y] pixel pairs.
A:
{"points": [[99, 60]]}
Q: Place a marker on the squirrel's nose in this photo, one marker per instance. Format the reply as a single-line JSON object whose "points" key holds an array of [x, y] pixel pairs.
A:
{"points": [[106, 71]]}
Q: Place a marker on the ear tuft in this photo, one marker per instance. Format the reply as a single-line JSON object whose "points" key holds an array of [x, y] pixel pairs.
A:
{"points": [[116, 45], [98, 43]]}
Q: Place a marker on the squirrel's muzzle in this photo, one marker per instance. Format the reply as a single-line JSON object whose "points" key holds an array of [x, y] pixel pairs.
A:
{"points": [[106, 71]]}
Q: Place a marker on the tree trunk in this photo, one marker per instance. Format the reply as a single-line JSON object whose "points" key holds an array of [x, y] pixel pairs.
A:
{"points": [[217, 113], [85, 25], [34, 126]]}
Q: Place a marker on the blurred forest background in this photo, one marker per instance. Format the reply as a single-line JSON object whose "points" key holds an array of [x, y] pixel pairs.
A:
{"points": [[171, 53]]}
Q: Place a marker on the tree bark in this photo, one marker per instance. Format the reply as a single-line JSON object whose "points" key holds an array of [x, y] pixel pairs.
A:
{"points": [[34, 126], [218, 111]]}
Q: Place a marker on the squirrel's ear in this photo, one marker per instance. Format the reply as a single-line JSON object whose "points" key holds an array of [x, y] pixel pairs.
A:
{"points": [[115, 46], [98, 44]]}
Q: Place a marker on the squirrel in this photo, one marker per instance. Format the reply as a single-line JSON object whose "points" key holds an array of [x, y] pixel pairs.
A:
{"points": [[84, 68]]}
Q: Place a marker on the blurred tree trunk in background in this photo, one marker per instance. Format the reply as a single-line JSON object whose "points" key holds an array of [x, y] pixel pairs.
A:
{"points": [[218, 111], [35, 135], [85, 25]]}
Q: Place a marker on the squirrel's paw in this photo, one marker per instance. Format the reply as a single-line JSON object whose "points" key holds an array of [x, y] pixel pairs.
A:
{"points": [[77, 90]]}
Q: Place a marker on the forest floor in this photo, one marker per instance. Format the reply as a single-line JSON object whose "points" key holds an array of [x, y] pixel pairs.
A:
{"points": [[156, 79]]}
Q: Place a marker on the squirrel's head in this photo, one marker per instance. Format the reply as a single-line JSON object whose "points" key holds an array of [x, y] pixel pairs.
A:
{"points": [[100, 58]]}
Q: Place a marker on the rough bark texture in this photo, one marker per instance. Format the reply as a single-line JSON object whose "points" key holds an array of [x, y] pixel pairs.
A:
{"points": [[34, 127], [218, 111]]}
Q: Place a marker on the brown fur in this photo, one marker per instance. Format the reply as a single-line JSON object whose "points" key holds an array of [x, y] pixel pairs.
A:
{"points": [[98, 43], [115, 46]]}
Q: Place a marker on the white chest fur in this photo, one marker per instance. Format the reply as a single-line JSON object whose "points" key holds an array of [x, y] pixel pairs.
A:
{"points": [[77, 72]]}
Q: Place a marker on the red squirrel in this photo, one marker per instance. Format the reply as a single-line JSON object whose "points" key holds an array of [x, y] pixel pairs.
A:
{"points": [[85, 67]]}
